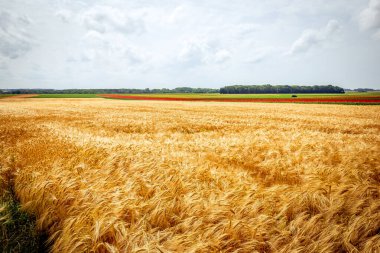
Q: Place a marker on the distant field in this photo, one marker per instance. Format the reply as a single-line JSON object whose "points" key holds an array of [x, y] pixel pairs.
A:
{"points": [[348, 98], [244, 96], [65, 96], [5, 95]]}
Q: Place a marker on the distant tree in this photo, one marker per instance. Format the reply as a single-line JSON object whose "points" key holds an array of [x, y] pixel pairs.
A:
{"points": [[275, 89]]}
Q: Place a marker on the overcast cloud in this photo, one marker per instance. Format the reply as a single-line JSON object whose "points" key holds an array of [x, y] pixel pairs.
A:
{"points": [[156, 44]]}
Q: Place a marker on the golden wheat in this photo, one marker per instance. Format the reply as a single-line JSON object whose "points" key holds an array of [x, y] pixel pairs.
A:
{"points": [[147, 176]]}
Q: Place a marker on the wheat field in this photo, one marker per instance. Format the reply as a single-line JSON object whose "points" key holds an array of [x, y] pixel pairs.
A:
{"points": [[104, 175]]}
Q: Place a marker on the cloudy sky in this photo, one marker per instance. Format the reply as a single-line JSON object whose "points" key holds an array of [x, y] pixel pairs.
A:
{"points": [[167, 43]]}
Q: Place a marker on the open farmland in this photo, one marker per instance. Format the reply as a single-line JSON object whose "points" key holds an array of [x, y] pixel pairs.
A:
{"points": [[105, 175], [5, 95], [365, 98], [302, 95], [359, 98], [65, 96]]}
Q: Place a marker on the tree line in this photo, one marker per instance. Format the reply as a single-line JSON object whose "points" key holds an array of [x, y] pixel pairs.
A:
{"points": [[274, 89], [234, 89], [108, 91]]}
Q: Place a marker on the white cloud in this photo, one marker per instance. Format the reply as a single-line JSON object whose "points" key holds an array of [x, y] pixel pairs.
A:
{"points": [[377, 35], [176, 15], [193, 52], [112, 51], [369, 18], [15, 40], [260, 54], [222, 55], [107, 42], [108, 19], [314, 38], [246, 29], [196, 52], [65, 15]]}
